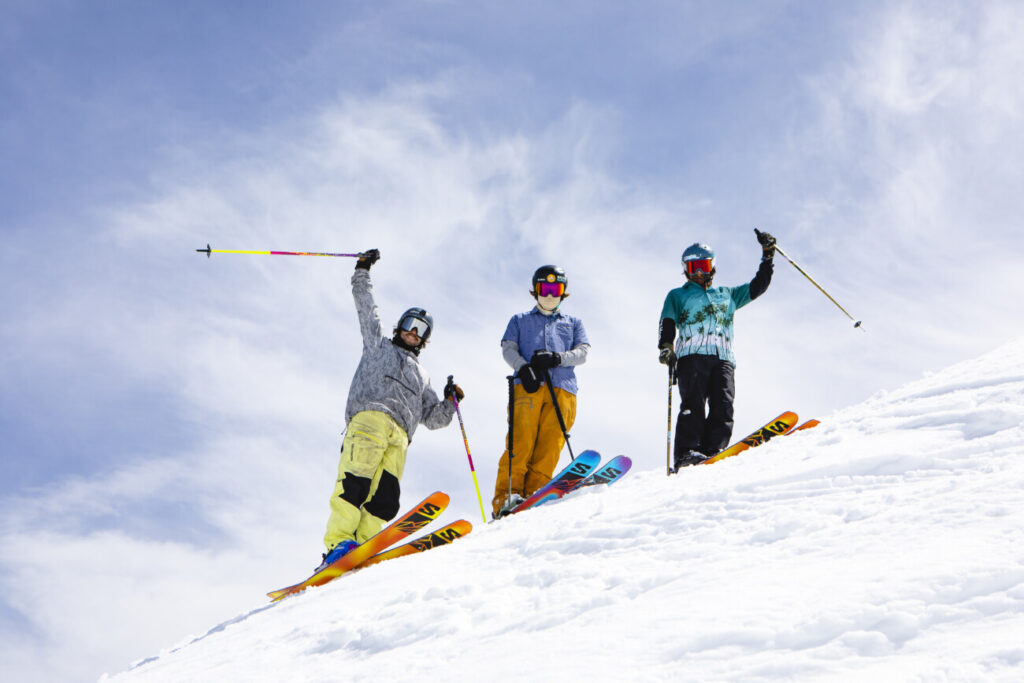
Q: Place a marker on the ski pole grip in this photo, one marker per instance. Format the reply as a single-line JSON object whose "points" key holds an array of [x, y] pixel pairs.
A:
{"points": [[449, 390]]}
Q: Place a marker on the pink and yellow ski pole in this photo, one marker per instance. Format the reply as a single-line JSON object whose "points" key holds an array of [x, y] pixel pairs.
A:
{"points": [[208, 251], [462, 426]]}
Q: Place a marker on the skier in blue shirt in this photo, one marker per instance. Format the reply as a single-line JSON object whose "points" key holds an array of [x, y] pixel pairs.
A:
{"points": [[703, 355], [542, 339]]}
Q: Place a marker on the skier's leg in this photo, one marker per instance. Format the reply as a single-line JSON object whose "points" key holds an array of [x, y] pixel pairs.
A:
{"points": [[721, 394], [691, 378], [383, 503], [527, 416], [362, 454], [550, 439]]}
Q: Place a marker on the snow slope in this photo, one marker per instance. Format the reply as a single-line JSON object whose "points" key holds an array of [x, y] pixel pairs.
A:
{"points": [[886, 543]]}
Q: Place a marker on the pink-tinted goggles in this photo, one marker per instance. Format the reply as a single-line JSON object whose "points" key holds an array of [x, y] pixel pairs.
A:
{"points": [[550, 289], [700, 265]]}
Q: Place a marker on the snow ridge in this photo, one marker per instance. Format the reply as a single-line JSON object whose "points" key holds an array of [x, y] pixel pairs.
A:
{"points": [[887, 542]]}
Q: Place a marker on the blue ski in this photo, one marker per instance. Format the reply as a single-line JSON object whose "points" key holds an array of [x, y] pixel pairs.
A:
{"points": [[610, 473], [566, 480]]}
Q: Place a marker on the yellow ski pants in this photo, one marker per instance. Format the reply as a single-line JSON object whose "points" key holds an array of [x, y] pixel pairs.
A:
{"points": [[366, 493], [537, 442]]}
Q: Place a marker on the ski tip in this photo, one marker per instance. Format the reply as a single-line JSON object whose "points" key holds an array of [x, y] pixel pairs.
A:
{"points": [[810, 424]]}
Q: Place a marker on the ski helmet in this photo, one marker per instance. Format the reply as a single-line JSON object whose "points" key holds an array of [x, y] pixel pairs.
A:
{"points": [[699, 263], [417, 319], [698, 251], [549, 278]]}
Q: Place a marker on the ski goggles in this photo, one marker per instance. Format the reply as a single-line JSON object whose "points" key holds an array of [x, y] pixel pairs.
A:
{"points": [[420, 327], [699, 265], [550, 289]]}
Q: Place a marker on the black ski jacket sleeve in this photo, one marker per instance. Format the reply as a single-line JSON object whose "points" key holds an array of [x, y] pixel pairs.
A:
{"points": [[760, 283], [666, 332]]}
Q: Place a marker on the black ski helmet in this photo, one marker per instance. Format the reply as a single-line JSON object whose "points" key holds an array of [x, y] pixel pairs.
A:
{"points": [[411, 316], [551, 274]]}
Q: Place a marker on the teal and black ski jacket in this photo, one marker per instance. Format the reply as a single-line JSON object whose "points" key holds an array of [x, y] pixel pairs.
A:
{"points": [[704, 317]]}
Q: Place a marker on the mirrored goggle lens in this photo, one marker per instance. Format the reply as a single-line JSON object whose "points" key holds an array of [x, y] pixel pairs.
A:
{"points": [[700, 265], [550, 288], [416, 325]]}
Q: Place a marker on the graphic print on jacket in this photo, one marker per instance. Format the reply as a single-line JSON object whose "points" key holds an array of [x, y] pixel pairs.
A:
{"points": [[704, 318], [710, 329]]}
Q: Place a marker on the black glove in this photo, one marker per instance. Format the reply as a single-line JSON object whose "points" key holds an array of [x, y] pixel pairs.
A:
{"points": [[528, 378], [545, 360], [767, 243], [453, 388], [667, 356], [367, 259]]}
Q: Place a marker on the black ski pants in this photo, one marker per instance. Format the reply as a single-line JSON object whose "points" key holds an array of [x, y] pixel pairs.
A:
{"points": [[707, 387]]}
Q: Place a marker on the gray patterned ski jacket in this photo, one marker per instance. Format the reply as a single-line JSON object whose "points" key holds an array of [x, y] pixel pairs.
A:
{"points": [[389, 378]]}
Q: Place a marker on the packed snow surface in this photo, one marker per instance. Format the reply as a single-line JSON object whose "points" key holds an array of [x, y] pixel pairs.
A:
{"points": [[885, 544]]}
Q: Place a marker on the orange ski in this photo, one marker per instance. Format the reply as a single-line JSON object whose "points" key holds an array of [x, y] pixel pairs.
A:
{"points": [[780, 425], [444, 536], [420, 516], [806, 425]]}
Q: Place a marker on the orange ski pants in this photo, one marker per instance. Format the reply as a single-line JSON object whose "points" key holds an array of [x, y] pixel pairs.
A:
{"points": [[537, 442]]}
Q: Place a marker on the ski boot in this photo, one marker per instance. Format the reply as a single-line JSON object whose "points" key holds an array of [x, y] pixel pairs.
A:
{"points": [[508, 506], [689, 458], [337, 552]]}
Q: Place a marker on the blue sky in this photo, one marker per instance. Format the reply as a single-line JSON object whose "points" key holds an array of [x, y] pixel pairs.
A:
{"points": [[108, 97], [155, 403]]}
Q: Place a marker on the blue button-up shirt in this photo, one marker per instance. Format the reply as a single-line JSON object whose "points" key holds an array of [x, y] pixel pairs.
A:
{"points": [[533, 331]]}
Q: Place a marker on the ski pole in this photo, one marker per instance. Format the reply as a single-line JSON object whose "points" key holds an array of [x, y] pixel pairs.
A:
{"points": [[856, 323], [558, 412], [668, 444], [208, 251], [511, 428], [462, 426]]}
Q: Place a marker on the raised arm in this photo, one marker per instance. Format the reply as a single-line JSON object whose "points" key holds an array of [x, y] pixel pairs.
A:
{"points": [[366, 308]]}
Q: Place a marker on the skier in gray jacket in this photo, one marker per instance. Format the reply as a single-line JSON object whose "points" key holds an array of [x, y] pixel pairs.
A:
{"points": [[389, 397]]}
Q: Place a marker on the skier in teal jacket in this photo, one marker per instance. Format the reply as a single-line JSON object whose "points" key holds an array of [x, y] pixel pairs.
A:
{"points": [[702, 355]]}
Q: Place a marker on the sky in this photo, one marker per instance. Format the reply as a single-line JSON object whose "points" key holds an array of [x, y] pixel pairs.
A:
{"points": [[169, 419], [884, 544]]}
